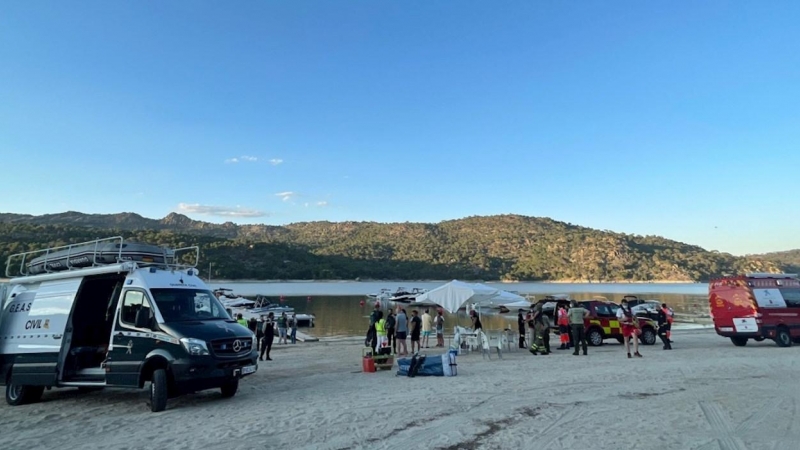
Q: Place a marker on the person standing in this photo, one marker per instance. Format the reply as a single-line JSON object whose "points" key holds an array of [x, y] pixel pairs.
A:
{"points": [[415, 329], [268, 331], [241, 320], [577, 315], [282, 327], [427, 327], [439, 322], [401, 333], [664, 326], [476, 322], [546, 325], [563, 327], [372, 336], [293, 326], [521, 326], [629, 326], [390, 323]]}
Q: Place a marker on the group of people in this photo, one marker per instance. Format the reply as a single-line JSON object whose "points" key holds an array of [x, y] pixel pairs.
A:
{"points": [[572, 331], [389, 333], [264, 329]]}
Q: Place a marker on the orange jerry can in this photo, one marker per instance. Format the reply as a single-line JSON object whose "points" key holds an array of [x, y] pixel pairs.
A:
{"points": [[367, 362]]}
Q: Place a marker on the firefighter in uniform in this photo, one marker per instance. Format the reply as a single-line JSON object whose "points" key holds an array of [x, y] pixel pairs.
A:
{"points": [[563, 327], [665, 325]]}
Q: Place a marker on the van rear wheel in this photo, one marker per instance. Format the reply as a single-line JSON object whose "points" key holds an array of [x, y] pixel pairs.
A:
{"points": [[20, 395], [783, 338], [739, 341]]}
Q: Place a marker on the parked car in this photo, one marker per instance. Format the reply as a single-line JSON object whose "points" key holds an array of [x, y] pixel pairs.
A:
{"points": [[602, 322]]}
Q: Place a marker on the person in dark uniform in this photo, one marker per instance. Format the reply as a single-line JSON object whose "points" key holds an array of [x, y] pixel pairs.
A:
{"points": [[389, 323], [269, 336], [476, 321], [521, 325], [577, 315], [664, 326]]}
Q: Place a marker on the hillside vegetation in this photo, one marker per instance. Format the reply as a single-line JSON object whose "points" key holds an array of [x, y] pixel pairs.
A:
{"points": [[507, 247]]}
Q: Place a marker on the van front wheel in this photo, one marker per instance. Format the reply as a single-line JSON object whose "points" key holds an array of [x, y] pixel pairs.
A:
{"points": [[19, 395], [229, 388], [783, 338], [158, 391]]}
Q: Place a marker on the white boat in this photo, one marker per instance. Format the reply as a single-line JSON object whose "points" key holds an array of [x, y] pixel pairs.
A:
{"points": [[404, 296], [384, 294]]}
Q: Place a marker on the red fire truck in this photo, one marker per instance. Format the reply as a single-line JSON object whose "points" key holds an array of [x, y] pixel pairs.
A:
{"points": [[756, 306]]}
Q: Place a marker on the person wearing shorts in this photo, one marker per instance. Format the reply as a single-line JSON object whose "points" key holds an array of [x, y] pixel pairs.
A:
{"points": [[626, 319], [427, 328], [416, 328], [439, 321], [401, 321]]}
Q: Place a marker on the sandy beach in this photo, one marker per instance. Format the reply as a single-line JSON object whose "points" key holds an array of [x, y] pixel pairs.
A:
{"points": [[705, 394]]}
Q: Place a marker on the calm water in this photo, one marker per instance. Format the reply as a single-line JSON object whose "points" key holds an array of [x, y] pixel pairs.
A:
{"points": [[339, 312]]}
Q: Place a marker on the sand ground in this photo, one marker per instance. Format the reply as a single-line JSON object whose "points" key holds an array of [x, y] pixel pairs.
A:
{"points": [[705, 394]]}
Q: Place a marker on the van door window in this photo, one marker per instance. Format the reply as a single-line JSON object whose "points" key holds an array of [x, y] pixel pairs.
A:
{"points": [[791, 296], [134, 301]]}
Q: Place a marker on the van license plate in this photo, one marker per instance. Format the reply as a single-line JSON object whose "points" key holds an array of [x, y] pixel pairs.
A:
{"points": [[247, 370]]}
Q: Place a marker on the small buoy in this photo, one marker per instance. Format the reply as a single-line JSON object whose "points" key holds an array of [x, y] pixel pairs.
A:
{"points": [[308, 299], [361, 303]]}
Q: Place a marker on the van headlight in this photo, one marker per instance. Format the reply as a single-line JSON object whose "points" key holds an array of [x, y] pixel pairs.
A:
{"points": [[195, 347], [254, 346]]}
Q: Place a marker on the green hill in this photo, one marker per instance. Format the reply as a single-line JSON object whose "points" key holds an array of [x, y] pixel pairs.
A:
{"points": [[507, 247]]}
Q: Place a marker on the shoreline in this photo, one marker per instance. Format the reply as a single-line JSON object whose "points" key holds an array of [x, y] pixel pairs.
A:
{"points": [[447, 281]]}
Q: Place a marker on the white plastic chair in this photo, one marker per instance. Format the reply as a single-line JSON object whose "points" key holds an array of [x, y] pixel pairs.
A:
{"points": [[485, 347]]}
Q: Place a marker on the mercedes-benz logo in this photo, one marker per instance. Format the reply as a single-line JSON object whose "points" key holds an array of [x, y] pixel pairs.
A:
{"points": [[237, 346]]}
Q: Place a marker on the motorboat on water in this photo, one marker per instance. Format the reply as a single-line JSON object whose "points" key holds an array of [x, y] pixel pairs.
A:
{"points": [[260, 308], [384, 294], [229, 300], [404, 296]]}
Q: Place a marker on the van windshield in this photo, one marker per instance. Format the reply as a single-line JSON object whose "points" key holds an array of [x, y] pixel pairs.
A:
{"points": [[185, 305]]}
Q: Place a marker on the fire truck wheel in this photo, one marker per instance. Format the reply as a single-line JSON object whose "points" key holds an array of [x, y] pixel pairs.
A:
{"points": [[595, 337], [648, 336], [739, 341], [783, 338]]}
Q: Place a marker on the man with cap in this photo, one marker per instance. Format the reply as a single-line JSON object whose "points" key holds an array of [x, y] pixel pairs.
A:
{"points": [[577, 315]]}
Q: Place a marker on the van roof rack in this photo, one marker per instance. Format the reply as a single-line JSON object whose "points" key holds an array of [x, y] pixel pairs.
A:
{"points": [[99, 252], [771, 275]]}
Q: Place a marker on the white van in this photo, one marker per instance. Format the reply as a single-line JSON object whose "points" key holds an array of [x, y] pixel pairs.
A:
{"points": [[111, 313]]}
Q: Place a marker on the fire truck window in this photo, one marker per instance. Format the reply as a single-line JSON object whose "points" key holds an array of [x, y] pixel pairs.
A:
{"points": [[603, 311], [791, 296]]}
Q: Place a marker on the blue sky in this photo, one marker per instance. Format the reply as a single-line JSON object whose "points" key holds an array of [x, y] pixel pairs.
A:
{"points": [[679, 119]]}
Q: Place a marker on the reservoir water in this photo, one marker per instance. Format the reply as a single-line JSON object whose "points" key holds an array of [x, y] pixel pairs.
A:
{"points": [[339, 312]]}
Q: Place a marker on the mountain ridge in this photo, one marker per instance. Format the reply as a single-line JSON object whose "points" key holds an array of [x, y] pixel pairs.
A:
{"points": [[503, 247]]}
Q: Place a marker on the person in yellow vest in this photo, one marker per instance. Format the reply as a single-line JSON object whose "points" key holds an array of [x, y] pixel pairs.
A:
{"points": [[242, 321], [380, 331]]}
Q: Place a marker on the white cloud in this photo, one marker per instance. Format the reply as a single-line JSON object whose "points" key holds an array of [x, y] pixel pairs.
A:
{"points": [[322, 203], [275, 161], [286, 196], [220, 211], [244, 158]]}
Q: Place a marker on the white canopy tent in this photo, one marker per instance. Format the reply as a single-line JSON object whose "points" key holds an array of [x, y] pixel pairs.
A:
{"points": [[456, 294]]}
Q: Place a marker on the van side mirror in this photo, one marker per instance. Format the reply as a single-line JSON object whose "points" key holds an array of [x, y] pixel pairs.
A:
{"points": [[142, 318]]}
